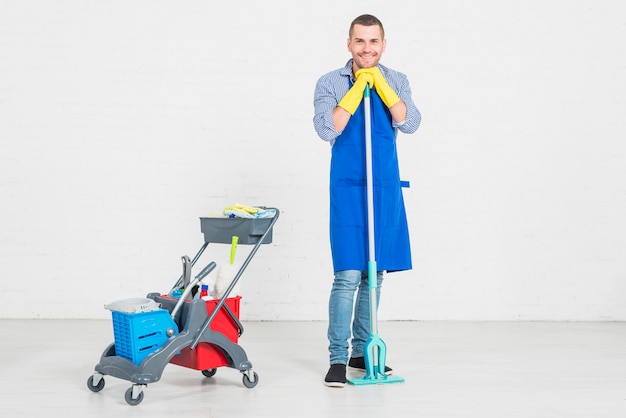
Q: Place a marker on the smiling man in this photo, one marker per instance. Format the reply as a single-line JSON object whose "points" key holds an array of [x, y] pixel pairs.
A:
{"points": [[339, 119]]}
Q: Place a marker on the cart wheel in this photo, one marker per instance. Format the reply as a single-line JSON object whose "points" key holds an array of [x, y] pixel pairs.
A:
{"points": [[250, 383], [129, 397], [95, 388], [209, 372]]}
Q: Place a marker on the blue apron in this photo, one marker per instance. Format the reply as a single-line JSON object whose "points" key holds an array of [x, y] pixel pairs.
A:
{"points": [[348, 195]]}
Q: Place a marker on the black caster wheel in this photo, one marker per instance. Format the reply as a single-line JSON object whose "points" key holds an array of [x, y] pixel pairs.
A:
{"points": [[128, 396], [95, 388], [209, 372], [250, 383]]}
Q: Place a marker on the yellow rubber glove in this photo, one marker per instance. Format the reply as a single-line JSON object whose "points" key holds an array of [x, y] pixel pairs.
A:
{"points": [[385, 92], [350, 102]]}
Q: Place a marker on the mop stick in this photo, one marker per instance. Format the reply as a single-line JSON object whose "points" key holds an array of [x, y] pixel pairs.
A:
{"points": [[375, 350]]}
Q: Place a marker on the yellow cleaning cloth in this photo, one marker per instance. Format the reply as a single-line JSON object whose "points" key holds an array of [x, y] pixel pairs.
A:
{"points": [[238, 208]]}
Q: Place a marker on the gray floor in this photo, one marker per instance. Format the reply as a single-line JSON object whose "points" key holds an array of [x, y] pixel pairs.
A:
{"points": [[451, 369]]}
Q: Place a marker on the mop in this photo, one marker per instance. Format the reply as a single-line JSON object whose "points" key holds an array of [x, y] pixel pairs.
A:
{"points": [[226, 274], [375, 350]]}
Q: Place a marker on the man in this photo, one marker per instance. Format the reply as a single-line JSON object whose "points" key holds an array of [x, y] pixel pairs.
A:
{"points": [[339, 119]]}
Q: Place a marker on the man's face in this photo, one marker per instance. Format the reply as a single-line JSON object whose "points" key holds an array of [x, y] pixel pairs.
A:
{"points": [[366, 46]]}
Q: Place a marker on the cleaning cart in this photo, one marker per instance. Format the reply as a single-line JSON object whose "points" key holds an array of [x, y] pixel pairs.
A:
{"points": [[179, 327]]}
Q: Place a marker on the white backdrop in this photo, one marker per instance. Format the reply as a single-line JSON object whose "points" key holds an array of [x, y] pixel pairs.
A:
{"points": [[123, 122]]}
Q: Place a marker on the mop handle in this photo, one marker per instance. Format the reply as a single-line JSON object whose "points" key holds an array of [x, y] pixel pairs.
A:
{"points": [[372, 271], [369, 174]]}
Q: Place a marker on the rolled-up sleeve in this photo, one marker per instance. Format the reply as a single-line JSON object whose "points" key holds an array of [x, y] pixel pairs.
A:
{"points": [[328, 89], [400, 83]]}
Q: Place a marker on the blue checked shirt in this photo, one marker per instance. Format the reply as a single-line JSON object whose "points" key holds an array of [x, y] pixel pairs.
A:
{"points": [[332, 86]]}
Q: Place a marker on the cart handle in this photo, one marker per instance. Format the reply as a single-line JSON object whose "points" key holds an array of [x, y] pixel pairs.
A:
{"points": [[205, 271], [219, 305]]}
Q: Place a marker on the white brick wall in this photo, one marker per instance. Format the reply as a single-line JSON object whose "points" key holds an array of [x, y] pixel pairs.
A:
{"points": [[123, 122]]}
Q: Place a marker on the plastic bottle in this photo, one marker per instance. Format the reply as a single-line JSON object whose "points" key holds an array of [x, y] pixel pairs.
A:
{"points": [[204, 291]]}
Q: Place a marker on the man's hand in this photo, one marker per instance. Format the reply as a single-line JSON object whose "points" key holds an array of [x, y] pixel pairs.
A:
{"points": [[386, 93], [350, 102]]}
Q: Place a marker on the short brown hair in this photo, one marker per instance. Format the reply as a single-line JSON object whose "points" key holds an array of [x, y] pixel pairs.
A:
{"points": [[367, 20]]}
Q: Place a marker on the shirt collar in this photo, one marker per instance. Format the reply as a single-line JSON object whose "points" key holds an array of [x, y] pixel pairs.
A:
{"points": [[347, 70]]}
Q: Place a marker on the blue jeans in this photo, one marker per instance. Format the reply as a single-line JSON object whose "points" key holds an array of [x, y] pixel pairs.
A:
{"points": [[340, 309]]}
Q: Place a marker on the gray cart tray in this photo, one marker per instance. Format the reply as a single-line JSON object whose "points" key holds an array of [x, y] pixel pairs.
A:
{"points": [[249, 230]]}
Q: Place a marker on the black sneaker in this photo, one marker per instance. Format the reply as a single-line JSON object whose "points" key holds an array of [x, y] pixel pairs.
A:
{"points": [[336, 376], [358, 363]]}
